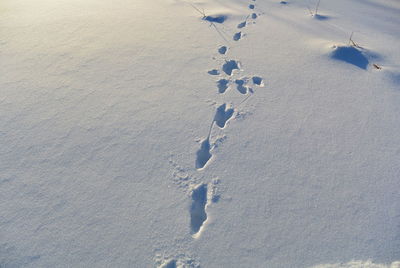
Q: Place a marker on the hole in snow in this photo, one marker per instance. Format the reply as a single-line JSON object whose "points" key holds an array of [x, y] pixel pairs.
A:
{"points": [[237, 36], [216, 18], [213, 72], [230, 66], [242, 25], [169, 264], [258, 81], [223, 115], [203, 154], [222, 50], [198, 213], [222, 85], [241, 85]]}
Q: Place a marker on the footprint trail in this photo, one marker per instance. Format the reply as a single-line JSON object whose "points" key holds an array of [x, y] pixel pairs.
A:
{"points": [[201, 193]]}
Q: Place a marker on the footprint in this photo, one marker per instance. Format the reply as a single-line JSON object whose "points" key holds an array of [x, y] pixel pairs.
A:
{"points": [[203, 154], [168, 264], [258, 81], [179, 261], [198, 213], [254, 16], [223, 115], [242, 25], [222, 85], [237, 36], [241, 85], [230, 66], [222, 50], [213, 72], [217, 19], [251, 6]]}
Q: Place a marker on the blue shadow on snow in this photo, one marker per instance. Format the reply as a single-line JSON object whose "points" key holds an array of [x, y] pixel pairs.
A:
{"points": [[216, 19], [350, 55], [321, 17]]}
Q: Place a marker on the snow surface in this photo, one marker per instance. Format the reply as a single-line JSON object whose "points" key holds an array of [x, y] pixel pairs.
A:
{"points": [[171, 133]]}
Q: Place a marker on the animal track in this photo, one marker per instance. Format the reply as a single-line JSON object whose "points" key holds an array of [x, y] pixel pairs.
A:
{"points": [[205, 194], [237, 36], [230, 66], [213, 72], [242, 25], [203, 154], [222, 115], [198, 213], [222, 50], [217, 19], [241, 85], [223, 85], [169, 264], [180, 261], [258, 81]]}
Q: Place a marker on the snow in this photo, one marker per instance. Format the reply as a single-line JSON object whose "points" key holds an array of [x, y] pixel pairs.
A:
{"points": [[359, 264], [173, 133]]}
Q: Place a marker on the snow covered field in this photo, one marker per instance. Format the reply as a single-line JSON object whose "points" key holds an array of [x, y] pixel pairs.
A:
{"points": [[207, 133]]}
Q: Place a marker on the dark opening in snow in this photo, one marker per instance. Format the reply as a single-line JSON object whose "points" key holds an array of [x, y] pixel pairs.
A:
{"points": [[216, 18]]}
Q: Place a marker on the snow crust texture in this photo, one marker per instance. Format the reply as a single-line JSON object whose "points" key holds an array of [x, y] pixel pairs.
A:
{"points": [[359, 264], [207, 133], [352, 54]]}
